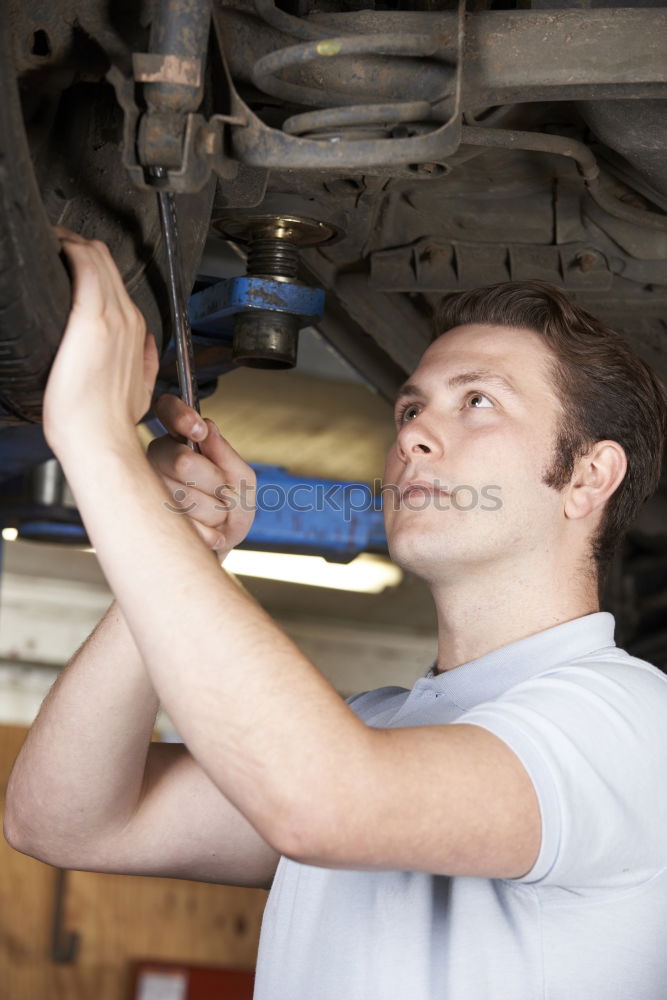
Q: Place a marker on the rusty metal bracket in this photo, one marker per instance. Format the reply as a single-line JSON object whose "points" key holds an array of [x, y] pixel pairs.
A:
{"points": [[436, 265], [203, 149], [64, 944]]}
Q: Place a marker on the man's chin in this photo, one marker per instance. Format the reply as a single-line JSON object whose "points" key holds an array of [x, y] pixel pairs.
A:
{"points": [[436, 556], [416, 556]]}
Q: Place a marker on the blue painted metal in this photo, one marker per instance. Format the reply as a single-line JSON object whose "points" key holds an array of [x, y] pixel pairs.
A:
{"points": [[212, 310], [316, 516], [53, 532], [337, 520]]}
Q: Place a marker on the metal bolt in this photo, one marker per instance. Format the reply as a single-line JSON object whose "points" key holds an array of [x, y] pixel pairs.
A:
{"points": [[273, 258], [587, 260]]}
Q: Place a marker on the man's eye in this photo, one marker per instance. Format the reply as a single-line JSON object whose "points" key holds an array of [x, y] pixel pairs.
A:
{"points": [[477, 400], [407, 412]]}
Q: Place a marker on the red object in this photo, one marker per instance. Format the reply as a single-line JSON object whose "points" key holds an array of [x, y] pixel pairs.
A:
{"points": [[174, 981]]}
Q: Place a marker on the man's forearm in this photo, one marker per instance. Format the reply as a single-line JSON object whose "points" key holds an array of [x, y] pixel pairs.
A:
{"points": [[80, 771], [263, 723]]}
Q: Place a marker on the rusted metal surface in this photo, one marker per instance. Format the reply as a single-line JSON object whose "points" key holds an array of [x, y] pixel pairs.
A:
{"points": [[501, 56], [509, 55], [555, 55], [431, 66], [436, 265], [387, 116], [518, 55], [259, 145], [201, 150], [578, 151], [149, 67], [178, 39], [171, 78], [637, 131]]}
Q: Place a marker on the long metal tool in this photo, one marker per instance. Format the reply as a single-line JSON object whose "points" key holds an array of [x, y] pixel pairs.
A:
{"points": [[187, 380]]}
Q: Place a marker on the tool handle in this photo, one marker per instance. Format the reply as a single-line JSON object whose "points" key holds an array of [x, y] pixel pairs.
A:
{"points": [[187, 380]]}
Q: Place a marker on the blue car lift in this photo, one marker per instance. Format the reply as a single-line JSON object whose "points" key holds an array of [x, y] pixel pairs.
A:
{"points": [[337, 520]]}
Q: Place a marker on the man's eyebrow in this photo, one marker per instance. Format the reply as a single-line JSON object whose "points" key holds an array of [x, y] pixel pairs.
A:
{"points": [[407, 389], [463, 378]]}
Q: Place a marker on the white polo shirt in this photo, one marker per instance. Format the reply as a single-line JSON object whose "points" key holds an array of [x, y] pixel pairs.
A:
{"points": [[588, 922]]}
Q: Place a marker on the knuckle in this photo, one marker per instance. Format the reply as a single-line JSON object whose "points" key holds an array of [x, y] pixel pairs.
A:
{"points": [[182, 464], [219, 544], [162, 407], [157, 450]]}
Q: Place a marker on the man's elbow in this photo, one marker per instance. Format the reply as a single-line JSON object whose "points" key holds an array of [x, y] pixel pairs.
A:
{"points": [[306, 836], [18, 833], [26, 834], [23, 840]]}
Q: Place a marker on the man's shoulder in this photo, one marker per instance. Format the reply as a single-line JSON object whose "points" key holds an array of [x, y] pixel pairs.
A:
{"points": [[606, 684], [611, 666]]}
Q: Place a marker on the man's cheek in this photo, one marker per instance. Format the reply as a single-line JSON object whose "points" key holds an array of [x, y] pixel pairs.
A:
{"points": [[491, 497], [391, 467]]}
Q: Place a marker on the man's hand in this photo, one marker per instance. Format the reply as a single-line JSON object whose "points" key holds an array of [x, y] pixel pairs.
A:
{"points": [[216, 489], [103, 376]]}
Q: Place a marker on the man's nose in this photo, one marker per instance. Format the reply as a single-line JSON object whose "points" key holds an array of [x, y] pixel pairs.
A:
{"points": [[415, 438]]}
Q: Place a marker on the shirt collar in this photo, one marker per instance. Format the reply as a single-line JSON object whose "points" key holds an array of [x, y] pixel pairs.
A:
{"points": [[491, 675]]}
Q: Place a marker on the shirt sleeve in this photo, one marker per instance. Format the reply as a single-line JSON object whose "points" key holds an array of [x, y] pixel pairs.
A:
{"points": [[593, 740]]}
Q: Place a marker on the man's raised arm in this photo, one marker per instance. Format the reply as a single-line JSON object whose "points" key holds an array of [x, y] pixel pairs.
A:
{"points": [[88, 789]]}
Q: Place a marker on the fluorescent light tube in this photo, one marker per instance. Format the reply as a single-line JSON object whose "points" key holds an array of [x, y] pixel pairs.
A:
{"points": [[367, 573]]}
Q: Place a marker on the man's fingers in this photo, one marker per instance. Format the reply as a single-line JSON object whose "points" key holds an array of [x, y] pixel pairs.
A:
{"points": [[212, 538], [180, 419], [91, 260], [87, 285], [220, 452], [188, 500], [179, 466], [151, 361], [68, 234]]}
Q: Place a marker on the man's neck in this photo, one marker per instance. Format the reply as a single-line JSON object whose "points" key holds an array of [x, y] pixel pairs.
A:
{"points": [[484, 611]]}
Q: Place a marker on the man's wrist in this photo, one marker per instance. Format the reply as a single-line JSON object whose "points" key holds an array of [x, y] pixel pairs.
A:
{"points": [[74, 445]]}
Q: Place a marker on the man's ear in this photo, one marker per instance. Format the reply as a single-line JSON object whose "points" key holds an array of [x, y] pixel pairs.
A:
{"points": [[596, 475]]}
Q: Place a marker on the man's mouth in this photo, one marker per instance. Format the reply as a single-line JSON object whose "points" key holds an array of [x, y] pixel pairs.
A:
{"points": [[421, 489]]}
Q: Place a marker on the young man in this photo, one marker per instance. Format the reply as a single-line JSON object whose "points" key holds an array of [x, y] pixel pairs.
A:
{"points": [[497, 831]]}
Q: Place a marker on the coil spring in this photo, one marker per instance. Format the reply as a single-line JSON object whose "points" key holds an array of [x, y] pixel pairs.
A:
{"points": [[339, 110]]}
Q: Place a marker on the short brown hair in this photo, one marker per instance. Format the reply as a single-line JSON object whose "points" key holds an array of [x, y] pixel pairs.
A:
{"points": [[606, 391]]}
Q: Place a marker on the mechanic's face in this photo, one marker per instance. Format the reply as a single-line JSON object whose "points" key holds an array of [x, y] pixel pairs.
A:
{"points": [[479, 448]]}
